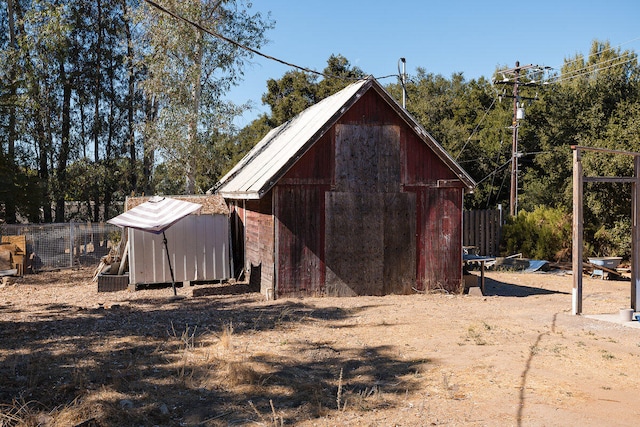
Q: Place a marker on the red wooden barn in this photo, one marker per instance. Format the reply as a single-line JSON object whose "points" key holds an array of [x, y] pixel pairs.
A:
{"points": [[350, 197]]}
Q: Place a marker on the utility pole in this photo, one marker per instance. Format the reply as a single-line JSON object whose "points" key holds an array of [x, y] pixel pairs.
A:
{"points": [[518, 114]]}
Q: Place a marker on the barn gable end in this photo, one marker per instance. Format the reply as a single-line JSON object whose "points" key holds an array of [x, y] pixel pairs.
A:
{"points": [[371, 205]]}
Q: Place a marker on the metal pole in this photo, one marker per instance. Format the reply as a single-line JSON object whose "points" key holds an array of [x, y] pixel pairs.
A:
{"points": [[513, 200], [577, 230], [635, 236], [166, 249]]}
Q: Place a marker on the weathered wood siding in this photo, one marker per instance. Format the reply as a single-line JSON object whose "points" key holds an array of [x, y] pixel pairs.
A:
{"points": [[300, 228], [300, 239], [259, 243], [369, 209], [368, 250], [439, 196], [482, 229], [439, 239]]}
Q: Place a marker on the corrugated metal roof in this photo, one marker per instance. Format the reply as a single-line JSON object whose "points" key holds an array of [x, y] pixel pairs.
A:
{"points": [[270, 159]]}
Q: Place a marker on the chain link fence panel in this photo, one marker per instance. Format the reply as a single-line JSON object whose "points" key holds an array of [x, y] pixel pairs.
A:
{"points": [[67, 245]]}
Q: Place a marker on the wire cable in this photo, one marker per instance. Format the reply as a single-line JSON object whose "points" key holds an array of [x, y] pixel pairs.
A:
{"points": [[486, 113], [600, 52], [247, 48]]}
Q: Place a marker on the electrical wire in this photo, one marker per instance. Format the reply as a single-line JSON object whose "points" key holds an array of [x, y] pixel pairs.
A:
{"points": [[486, 113], [593, 68], [600, 52], [588, 68], [247, 48]]}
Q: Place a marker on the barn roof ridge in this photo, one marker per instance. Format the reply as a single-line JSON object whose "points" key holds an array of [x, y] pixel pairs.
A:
{"points": [[258, 171]]}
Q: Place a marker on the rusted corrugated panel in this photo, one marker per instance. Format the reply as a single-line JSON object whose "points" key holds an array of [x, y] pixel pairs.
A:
{"points": [[299, 211], [439, 230]]}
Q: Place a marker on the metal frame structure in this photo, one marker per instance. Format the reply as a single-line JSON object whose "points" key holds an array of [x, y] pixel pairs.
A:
{"points": [[578, 227]]}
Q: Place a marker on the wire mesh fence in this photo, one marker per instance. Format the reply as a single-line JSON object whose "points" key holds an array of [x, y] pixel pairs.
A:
{"points": [[67, 245]]}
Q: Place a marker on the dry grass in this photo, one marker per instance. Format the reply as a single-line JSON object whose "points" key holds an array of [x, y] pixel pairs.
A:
{"points": [[72, 357]]}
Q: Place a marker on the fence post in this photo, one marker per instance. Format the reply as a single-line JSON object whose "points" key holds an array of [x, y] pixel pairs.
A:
{"points": [[71, 243]]}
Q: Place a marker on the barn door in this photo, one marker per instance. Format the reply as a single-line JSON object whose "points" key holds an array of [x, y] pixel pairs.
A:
{"points": [[370, 224]]}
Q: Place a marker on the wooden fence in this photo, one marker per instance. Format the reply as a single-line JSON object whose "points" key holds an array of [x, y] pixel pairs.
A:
{"points": [[482, 229]]}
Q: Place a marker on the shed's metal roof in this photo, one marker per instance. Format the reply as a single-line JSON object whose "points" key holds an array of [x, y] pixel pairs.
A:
{"points": [[272, 157]]}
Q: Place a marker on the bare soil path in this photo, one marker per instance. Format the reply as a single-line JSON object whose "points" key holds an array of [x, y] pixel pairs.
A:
{"points": [[221, 355]]}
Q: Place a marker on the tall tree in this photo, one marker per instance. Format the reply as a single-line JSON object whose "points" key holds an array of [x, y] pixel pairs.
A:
{"points": [[188, 71]]}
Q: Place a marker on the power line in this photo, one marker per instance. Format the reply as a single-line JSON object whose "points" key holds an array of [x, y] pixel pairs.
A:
{"points": [[600, 52], [486, 113], [595, 67], [244, 47]]}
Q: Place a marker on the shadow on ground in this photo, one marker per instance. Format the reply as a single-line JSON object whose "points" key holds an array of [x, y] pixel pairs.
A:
{"points": [[142, 363], [496, 288]]}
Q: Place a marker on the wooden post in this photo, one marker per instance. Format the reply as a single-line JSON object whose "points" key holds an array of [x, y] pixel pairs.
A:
{"points": [[635, 235], [576, 296]]}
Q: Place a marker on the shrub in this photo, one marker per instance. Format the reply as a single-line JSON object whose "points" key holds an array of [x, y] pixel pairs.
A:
{"points": [[544, 233]]}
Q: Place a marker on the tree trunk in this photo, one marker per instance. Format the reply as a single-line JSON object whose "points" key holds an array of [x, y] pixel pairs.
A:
{"points": [[133, 176], [151, 112], [63, 157], [10, 200], [97, 88], [196, 93]]}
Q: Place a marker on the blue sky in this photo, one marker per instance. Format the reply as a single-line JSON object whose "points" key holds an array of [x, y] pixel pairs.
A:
{"points": [[443, 37]]}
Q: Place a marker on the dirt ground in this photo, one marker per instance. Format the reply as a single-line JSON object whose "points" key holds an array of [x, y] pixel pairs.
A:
{"points": [[221, 355]]}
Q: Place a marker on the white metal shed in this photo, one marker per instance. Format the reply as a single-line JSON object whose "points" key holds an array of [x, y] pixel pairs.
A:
{"points": [[198, 245]]}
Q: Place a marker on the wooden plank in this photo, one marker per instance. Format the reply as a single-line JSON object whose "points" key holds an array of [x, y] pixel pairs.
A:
{"points": [[367, 158], [354, 246], [612, 179], [300, 239], [399, 223], [439, 239]]}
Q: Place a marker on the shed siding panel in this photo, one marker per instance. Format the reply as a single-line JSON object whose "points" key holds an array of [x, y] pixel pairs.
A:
{"points": [[300, 239], [187, 241], [399, 276], [259, 243], [422, 165], [355, 244], [439, 232], [315, 166], [367, 158]]}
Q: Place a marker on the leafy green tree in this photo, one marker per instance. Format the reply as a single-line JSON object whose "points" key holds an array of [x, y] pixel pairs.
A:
{"points": [[188, 71], [298, 90]]}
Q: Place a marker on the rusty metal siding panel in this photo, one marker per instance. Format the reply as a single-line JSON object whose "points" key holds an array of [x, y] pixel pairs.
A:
{"points": [[300, 239], [259, 243], [439, 231], [422, 165]]}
